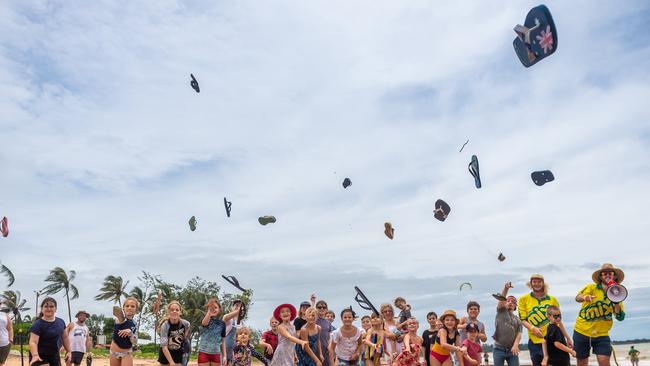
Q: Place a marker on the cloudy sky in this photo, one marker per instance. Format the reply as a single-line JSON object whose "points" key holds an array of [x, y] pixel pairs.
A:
{"points": [[106, 151]]}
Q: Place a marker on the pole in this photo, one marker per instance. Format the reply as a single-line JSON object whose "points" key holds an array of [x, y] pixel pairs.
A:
{"points": [[20, 339]]}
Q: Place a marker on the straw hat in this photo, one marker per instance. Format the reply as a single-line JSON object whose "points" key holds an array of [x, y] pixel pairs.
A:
{"points": [[608, 267], [449, 313]]}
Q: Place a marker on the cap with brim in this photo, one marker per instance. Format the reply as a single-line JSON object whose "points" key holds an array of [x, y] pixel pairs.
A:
{"points": [[620, 275], [537, 275], [471, 327], [292, 309], [448, 313], [82, 312], [305, 303]]}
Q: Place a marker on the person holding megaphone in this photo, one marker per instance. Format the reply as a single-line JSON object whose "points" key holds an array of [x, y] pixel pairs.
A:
{"points": [[601, 301]]}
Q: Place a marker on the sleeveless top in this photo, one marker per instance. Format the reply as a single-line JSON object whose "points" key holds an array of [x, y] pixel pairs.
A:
{"points": [[439, 349], [375, 353], [283, 355], [4, 333], [77, 336], [389, 345]]}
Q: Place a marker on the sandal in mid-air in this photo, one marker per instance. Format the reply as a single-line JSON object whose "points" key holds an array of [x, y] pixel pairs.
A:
{"points": [[227, 204], [441, 210], [347, 182], [268, 219], [542, 177], [473, 170], [194, 84], [389, 230], [192, 223], [537, 38], [4, 227]]}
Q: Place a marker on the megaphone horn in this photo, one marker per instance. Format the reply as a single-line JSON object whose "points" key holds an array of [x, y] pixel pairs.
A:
{"points": [[616, 293]]}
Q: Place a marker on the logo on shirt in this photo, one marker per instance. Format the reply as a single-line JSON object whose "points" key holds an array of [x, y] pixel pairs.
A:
{"points": [[537, 315], [599, 310]]}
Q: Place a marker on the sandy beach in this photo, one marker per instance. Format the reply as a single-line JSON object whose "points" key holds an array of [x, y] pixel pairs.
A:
{"points": [[621, 352]]}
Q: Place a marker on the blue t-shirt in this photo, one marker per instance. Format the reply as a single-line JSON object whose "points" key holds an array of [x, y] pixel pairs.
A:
{"points": [[211, 337], [50, 335], [124, 342]]}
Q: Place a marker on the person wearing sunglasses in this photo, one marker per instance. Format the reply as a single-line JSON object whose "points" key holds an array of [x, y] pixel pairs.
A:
{"points": [[556, 351], [595, 318], [325, 330]]}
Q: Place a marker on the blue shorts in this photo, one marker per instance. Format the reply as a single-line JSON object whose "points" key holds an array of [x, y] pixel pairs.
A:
{"points": [[536, 353], [600, 345]]}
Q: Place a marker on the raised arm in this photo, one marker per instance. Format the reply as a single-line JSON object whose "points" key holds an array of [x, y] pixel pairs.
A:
{"points": [[233, 313], [285, 333], [206, 319]]}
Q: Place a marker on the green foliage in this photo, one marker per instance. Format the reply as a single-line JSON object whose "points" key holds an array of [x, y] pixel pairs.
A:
{"points": [[142, 335], [107, 329], [150, 348], [7, 273], [11, 302], [60, 280], [113, 289]]}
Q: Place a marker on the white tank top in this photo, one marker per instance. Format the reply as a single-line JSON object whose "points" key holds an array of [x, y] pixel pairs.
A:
{"points": [[4, 333], [77, 337]]}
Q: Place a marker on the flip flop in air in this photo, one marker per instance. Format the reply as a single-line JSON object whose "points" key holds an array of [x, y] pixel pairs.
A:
{"points": [[537, 38], [195, 84], [227, 204], [388, 230], [441, 210], [264, 220], [4, 227], [473, 170], [499, 297], [192, 223], [542, 177], [501, 257], [347, 182]]}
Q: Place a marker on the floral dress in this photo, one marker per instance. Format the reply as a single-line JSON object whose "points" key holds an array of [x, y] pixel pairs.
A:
{"points": [[283, 354], [406, 358]]}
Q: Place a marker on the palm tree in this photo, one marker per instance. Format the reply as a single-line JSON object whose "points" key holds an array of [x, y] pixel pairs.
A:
{"points": [[113, 289], [12, 303], [60, 280], [7, 272]]}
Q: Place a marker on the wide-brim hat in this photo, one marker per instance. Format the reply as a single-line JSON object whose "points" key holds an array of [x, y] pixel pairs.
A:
{"points": [[449, 313], [537, 276], [82, 312], [292, 309], [608, 267]]}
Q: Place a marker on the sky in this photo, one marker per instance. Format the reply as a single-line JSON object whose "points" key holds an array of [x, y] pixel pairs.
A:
{"points": [[106, 151]]}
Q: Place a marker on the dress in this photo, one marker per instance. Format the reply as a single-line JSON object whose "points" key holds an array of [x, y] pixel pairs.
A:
{"points": [[375, 353], [303, 357], [406, 358], [283, 355]]}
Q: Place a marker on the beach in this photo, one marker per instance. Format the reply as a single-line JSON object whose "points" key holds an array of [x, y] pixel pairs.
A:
{"points": [[524, 360]]}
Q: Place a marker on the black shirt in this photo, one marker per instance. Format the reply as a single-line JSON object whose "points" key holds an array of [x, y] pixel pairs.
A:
{"points": [[298, 323], [428, 338], [556, 357]]}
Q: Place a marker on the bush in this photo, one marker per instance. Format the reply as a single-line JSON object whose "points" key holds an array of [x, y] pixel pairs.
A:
{"points": [[150, 348]]}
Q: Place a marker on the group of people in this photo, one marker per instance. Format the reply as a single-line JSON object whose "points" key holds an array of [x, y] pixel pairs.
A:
{"points": [[307, 336]]}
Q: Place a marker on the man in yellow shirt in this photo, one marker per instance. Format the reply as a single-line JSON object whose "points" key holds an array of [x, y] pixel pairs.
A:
{"points": [[532, 312], [595, 317]]}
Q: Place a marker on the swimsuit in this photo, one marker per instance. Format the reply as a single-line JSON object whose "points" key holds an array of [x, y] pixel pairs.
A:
{"points": [[439, 352]]}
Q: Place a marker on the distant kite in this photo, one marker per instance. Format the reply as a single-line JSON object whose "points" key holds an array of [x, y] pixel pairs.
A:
{"points": [[465, 284]]}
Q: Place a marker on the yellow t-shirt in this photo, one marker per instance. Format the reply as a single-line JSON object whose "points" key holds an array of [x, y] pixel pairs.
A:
{"points": [[534, 312], [595, 317]]}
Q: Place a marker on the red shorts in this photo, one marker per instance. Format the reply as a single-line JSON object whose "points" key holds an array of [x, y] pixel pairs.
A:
{"points": [[207, 357], [439, 357]]}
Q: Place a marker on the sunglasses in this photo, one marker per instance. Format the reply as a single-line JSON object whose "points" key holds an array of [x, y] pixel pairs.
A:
{"points": [[322, 307], [605, 273], [557, 316]]}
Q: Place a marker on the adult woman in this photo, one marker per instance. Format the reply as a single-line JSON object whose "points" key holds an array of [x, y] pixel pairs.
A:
{"points": [[173, 334], [6, 337], [47, 335], [283, 355], [388, 313]]}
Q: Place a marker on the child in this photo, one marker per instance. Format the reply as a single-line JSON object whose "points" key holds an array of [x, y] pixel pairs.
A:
{"points": [[46, 336], [447, 341], [243, 351], [473, 310], [410, 355], [471, 343], [231, 327], [124, 333], [404, 314], [309, 332], [212, 348], [556, 352], [365, 325], [346, 341], [269, 341], [283, 355], [330, 316], [173, 333], [375, 341], [429, 335]]}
